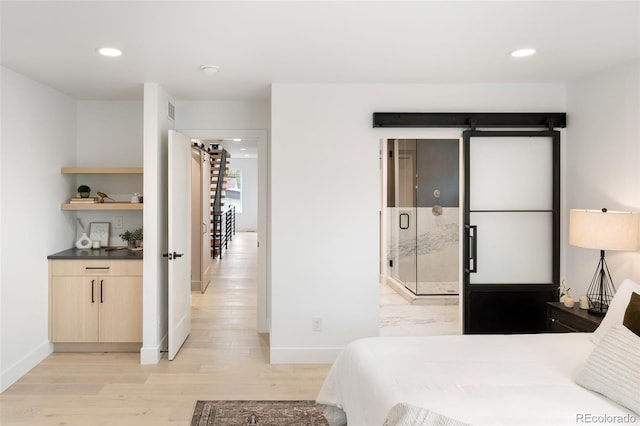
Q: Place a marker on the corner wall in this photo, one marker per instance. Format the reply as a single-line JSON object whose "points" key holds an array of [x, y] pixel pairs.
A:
{"points": [[38, 138], [602, 163], [325, 200]]}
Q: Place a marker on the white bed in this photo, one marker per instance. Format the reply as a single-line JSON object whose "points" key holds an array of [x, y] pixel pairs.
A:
{"points": [[476, 379]]}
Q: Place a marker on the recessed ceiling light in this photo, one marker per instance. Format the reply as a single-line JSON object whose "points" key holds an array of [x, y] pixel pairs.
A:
{"points": [[109, 51], [243, 149], [237, 140], [209, 69], [521, 53]]}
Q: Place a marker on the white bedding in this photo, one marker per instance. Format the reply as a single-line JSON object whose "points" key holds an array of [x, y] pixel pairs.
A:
{"points": [[477, 379]]}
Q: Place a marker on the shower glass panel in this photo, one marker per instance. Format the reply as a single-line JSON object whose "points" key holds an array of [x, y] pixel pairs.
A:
{"points": [[402, 211], [423, 207]]}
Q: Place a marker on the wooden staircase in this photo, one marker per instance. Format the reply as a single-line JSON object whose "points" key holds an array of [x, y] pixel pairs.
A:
{"points": [[220, 159]]}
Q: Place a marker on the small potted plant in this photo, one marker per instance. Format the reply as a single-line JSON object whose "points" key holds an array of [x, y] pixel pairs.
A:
{"points": [[84, 191], [564, 292], [133, 238]]}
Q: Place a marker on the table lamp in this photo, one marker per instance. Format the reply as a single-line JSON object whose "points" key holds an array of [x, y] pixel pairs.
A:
{"points": [[603, 230]]}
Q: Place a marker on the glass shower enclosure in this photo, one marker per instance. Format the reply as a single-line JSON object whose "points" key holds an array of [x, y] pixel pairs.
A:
{"points": [[423, 211]]}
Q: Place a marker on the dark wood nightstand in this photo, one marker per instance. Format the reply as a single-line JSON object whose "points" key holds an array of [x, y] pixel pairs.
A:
{"points": [[565, 320]]}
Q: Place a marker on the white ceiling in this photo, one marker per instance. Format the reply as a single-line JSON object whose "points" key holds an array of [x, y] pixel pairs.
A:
{"points": [[259, 43]]}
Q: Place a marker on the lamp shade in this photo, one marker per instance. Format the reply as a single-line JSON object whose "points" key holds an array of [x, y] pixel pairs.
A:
{"points": [[604, 230]]}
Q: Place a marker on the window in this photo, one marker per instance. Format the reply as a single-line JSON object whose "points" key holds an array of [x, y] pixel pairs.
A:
{"points": [[233, 189]]}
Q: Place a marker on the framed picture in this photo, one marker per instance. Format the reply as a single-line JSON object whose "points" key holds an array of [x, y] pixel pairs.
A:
{"points": [[99, 231]]}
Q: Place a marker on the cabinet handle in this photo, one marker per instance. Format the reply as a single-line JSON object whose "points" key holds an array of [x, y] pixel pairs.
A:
{"points": [[561, 324], [93, 299], [101, 301], [96, 267]]}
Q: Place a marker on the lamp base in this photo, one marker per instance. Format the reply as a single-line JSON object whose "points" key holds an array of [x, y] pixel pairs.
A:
{"points": [[598, 309], [601, 289]]}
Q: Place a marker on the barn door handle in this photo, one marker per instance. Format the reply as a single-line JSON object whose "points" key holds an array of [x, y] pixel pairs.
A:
{"points": [[473, 249]]}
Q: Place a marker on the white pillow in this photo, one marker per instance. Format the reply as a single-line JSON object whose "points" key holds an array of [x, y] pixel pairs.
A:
{"points": [[615, 313], [613, 368]]}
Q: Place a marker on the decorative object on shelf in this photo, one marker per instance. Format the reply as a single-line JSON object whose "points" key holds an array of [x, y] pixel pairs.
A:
{"points": [[135, 198], [584, 302], [83, 200], [564, 292], [84, 191], [99, 232], [133, 238], [603, 230], [102, 196], [84, 242]]}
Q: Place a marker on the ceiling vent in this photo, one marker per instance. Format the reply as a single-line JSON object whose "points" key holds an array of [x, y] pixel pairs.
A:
{"points": [[171, 111]]}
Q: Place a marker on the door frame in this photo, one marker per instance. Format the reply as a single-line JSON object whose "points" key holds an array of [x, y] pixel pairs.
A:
{"points": [[264, 241]]}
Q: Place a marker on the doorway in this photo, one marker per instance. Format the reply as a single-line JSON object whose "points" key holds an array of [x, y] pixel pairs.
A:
{"points": [[420, 232], [255, 147], [423, 211]]}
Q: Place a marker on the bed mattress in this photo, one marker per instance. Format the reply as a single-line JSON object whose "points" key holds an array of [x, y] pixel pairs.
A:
{"points": [[477, 379]]}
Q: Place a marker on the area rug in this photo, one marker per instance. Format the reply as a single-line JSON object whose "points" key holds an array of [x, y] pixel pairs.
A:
{"points": [[259, 413]]}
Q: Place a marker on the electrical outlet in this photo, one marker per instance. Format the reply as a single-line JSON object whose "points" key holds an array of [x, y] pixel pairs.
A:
{"points": [[316, 324], [119, 222]]}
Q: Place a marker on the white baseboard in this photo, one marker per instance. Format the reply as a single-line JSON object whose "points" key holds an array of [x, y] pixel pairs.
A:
{"points": [[153, 354], [303, 355], [12, 374]]}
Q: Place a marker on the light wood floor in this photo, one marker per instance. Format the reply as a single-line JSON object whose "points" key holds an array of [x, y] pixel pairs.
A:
{"points": [[223, 358]]}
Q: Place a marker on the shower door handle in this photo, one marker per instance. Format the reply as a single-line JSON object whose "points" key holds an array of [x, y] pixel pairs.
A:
{"points": [[405, 215], [473, 249]]}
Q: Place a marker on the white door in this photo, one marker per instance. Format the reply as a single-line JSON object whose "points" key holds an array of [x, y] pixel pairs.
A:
{"points": [[179, 256]]}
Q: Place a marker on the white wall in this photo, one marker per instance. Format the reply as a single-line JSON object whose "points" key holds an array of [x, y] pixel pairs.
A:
{"points": [[240, 115], [247, 219], [109, 134], [603, 163], [325, 156], [38, 137]]}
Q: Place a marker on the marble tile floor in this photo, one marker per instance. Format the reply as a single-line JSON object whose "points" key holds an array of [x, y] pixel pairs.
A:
{"points": [[398, 317]]}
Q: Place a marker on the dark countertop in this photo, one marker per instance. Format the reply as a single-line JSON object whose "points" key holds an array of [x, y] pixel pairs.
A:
{"points": [[102, 253]]}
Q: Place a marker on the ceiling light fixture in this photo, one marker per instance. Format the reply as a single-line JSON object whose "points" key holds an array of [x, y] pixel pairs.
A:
{"points": [[209, 69], [521, 53], [237, 140], [109, 51]]}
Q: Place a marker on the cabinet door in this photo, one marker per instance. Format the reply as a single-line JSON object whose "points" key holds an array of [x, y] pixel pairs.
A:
{"points": [[120, 309], [74, 313]]}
